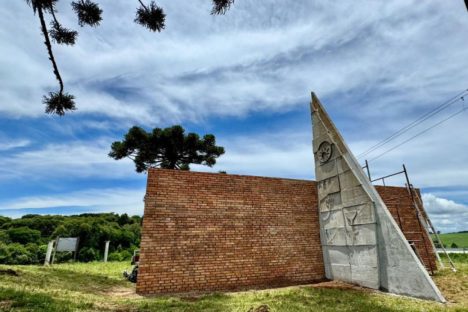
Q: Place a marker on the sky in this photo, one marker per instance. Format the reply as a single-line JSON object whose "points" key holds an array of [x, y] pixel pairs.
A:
{"points": [[245, 77]]}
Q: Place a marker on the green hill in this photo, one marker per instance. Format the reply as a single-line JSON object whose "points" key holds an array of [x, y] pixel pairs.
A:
{"points": [[459, 239]]}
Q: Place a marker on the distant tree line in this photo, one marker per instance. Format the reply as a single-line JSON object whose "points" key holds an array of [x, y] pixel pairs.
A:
{"points": [[24, 240]]}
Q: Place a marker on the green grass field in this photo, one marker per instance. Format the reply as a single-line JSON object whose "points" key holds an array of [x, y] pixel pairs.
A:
{"points": [[99, 287], [461, 239]]}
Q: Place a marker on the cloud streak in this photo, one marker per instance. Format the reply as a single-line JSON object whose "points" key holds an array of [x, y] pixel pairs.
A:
{"points": [[7, 145], [115, 200], [78, 159]]}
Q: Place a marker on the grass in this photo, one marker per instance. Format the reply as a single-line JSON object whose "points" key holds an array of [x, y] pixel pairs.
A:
{"points": [[460, 239], [99, 287]]}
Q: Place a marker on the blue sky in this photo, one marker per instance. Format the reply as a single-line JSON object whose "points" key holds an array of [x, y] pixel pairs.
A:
{"points": [[245, 77]]}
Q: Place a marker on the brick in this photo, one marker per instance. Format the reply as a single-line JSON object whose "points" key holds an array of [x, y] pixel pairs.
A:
{"points": [[205, 232]]}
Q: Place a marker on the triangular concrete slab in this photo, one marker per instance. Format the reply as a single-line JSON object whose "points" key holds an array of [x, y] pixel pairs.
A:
{"points": [[362, 244]]}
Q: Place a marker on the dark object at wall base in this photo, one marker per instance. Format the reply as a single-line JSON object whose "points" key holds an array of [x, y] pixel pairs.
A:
{"points": [[133, 276]]}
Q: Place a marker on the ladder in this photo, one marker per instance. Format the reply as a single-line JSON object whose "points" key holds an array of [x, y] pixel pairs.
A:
{"points": [[427, 221]]}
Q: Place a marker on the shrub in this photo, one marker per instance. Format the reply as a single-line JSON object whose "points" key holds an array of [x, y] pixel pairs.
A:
{"points": [[4, 220], [63, 256], [126, 255], [24, 235], [37, 254], [115, 256], [4, 237], [4, 253], [15, 254], [88, 254]]}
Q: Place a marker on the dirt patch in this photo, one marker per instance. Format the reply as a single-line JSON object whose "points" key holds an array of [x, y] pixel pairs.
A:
{"points": [[114, 307], [122, 292], [262, 308], [9, 272], [6, 305], [339, 285]]}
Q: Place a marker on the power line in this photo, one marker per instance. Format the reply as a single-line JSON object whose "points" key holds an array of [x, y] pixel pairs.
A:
{"points": [[420, 133], [416, 122]]}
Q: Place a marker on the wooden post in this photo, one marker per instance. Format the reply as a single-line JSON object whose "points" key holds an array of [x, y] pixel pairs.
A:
{"points": [[106, 251], [50, 247], [55, 249]]}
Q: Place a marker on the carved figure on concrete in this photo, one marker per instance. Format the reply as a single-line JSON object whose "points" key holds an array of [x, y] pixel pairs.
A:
{"points": [[361, 242]]}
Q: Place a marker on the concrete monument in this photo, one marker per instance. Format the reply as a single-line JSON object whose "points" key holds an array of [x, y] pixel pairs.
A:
{"points": [[361, 242]]}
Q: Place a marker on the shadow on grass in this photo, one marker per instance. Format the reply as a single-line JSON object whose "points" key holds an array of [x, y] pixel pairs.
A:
{"points": [[65, 279], [13, 300]]}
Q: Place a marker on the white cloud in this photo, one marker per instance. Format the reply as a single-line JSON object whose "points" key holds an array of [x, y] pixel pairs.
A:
{"points": [[6, 145], [77, 159], [283, 154], [447, 215], [95, 200], [258, 57], [286, 154]]}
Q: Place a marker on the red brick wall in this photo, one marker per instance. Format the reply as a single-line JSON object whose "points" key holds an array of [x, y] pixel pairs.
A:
{"points": [[399, 202], [207, 232]]}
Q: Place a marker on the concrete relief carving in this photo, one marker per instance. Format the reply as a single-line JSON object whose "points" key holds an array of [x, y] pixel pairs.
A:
{"points": [[332, 219], [361, 214], [330, 202], [361, 235], [324, 152], [327, 186], [328, 169], [336, 236]]}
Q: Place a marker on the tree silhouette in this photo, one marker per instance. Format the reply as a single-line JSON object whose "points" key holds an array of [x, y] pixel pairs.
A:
{"points": [[89, 13], [168, 148]]}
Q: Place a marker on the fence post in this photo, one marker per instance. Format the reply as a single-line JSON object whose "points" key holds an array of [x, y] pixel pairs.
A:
{"points": [[50, 246], [106, 251]]}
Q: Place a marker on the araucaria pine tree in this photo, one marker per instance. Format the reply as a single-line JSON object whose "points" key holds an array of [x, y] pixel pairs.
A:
{"points": [[89, 13], [168, 148]]}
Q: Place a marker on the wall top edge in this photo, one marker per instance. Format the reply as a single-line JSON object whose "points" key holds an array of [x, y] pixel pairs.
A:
{"points": [[153, 172]]}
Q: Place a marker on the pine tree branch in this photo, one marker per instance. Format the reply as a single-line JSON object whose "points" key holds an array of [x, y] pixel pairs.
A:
{"points": [[49, 47], [143, 5], [52, 11]]}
